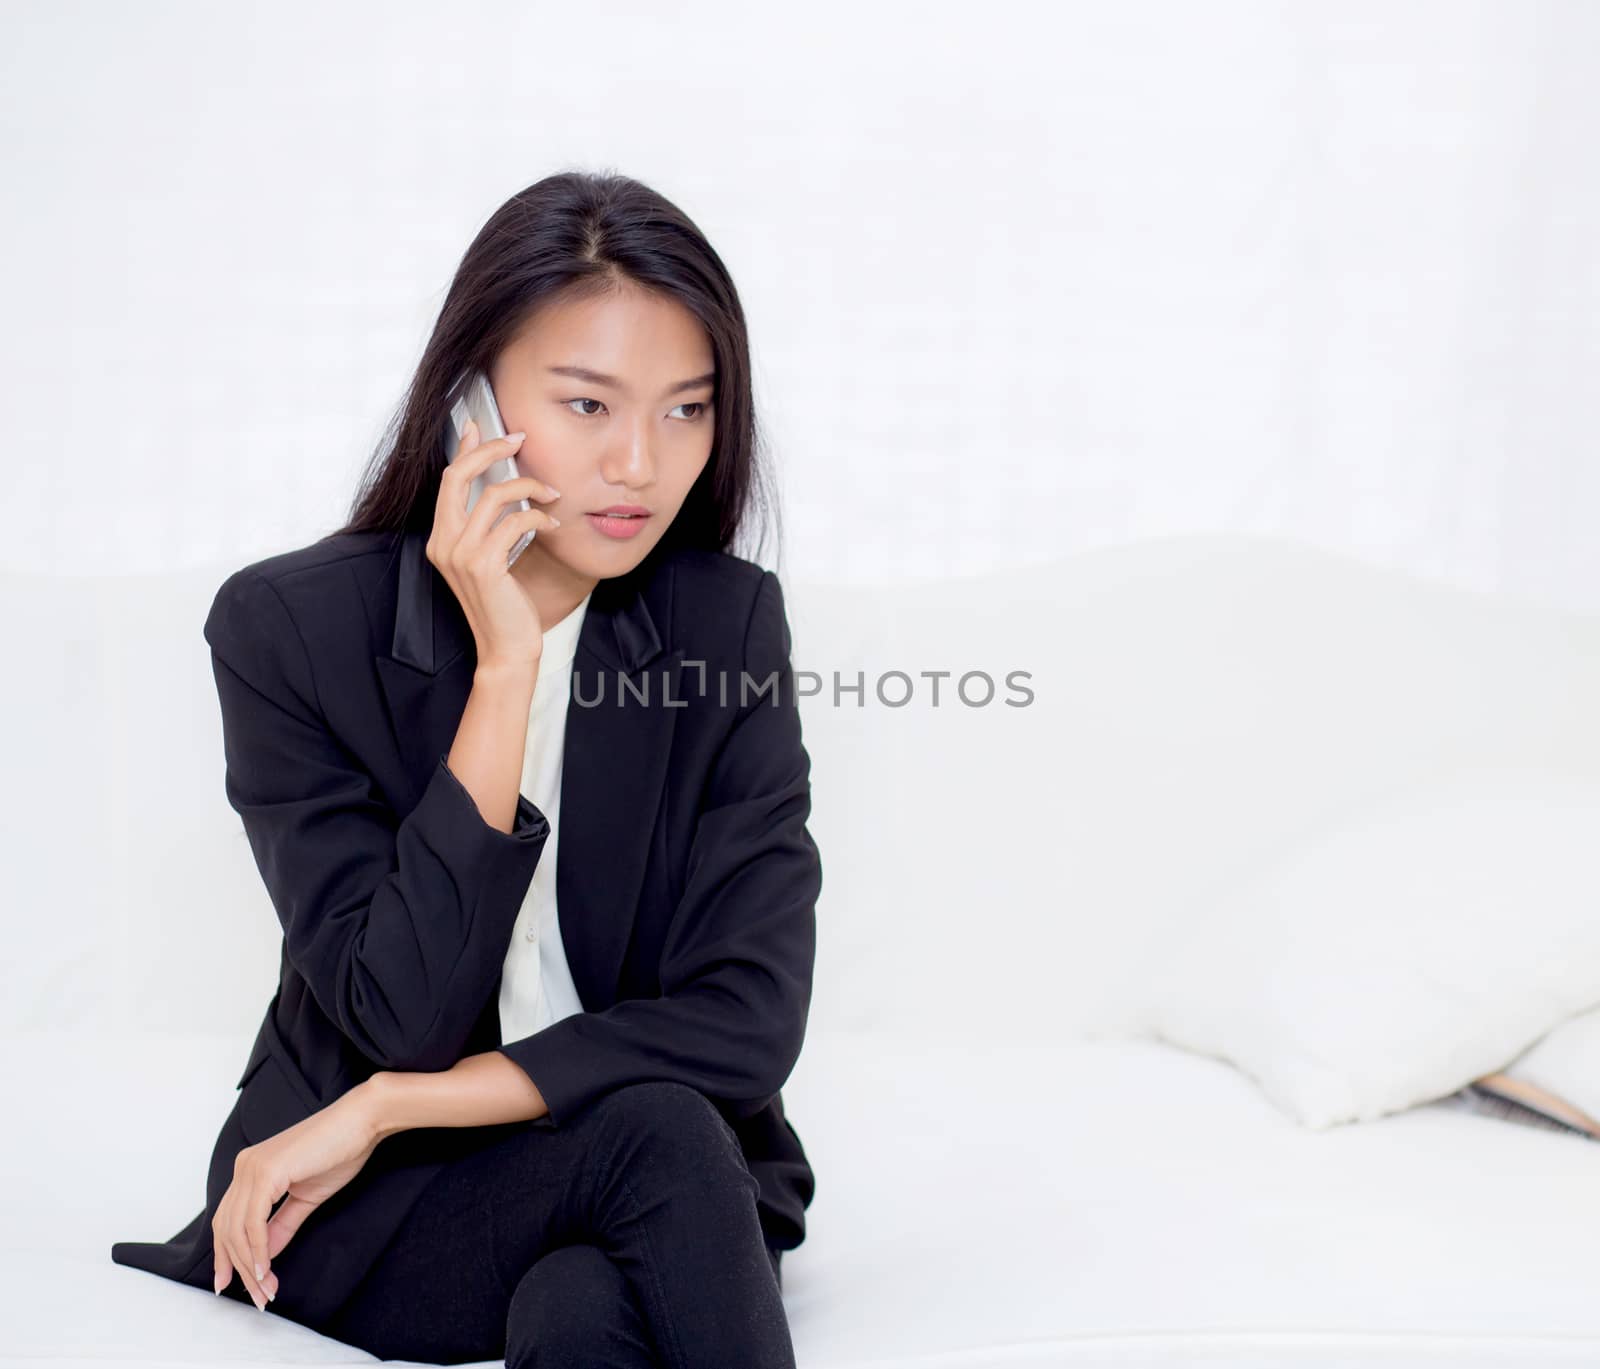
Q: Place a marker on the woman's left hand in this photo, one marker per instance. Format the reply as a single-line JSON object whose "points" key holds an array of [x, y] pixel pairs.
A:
{"points": [[310, 1161]]}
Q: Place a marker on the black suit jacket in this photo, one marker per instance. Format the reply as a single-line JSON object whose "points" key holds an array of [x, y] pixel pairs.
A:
{"points": [[687, 878]]}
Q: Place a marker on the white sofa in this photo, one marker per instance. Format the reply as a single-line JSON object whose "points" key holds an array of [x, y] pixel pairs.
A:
{"points": [[1001, 1179]]}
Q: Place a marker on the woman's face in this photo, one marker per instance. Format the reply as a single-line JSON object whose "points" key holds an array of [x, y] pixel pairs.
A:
{"points": [[614, 393]]}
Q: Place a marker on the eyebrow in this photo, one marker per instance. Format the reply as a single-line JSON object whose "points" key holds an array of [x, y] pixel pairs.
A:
{"points": [[601, 378]]}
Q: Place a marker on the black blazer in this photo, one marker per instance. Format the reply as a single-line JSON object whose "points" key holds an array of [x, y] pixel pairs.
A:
{"points": [[687, 878]]}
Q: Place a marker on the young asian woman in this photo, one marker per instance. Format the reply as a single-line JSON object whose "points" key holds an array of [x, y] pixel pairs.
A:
{"points": [[537, 839]]}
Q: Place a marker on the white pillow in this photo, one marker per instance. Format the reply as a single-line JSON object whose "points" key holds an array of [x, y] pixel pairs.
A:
{"points": [[1566, 1062], [1394, 955]]}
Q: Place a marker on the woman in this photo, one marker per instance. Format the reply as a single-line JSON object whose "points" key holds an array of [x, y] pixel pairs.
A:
{"points": [[469, 1128]]}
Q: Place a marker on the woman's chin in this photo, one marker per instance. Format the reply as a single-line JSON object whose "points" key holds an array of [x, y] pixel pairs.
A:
{"points": [[592, 562]]}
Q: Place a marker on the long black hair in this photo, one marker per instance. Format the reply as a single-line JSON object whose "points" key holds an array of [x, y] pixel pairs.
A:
{"points": [[573, 235]]}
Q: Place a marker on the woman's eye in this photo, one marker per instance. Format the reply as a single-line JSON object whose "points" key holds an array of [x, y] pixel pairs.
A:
{"points": [[700, 405]]}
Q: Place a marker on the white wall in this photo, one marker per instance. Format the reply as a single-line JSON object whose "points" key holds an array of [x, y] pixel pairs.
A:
{"points": [[1022, 279]]}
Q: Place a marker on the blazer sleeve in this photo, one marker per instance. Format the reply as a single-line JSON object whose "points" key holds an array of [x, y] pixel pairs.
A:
{"points": [[736, 969], [399, 925]]}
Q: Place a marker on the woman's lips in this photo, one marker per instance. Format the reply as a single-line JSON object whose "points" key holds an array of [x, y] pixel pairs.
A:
{"points": [[617, 525]]}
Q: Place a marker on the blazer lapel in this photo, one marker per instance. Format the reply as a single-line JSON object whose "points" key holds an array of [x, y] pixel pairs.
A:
{"points": [[427, 673], [614, 762]]}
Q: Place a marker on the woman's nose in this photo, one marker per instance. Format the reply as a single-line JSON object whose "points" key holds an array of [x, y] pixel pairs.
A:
{"points": [[634, 464]]}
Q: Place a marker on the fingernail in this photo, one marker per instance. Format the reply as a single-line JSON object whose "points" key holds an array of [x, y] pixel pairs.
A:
{"points": [[260, 1272], [554, 521], [515, 437]]}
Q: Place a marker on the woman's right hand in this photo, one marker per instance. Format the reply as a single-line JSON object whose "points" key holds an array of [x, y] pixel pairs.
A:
{"points": [[309, 1162], [471, 554]]}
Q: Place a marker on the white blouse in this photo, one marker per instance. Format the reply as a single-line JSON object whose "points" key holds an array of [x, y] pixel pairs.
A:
{"points": [[536, 985]]}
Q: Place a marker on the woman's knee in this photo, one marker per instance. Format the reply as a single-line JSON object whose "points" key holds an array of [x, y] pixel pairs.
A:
{"points": [[671, 1117], [671, 1135], [574, 1307], [664, 1103]]}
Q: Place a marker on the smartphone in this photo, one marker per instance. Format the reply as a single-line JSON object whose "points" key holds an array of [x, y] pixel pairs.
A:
{"points": [[475, 401]]}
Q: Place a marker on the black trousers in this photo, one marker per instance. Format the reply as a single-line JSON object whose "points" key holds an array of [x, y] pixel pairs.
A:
{"points": [[627, 1236]]}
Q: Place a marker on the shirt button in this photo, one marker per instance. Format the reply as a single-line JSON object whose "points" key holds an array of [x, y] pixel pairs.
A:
{"points": [[533, 935]]}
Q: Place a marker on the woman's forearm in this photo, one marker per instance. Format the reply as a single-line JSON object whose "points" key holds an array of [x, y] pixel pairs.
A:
{"points": [[478, 1091], [487, 753]]}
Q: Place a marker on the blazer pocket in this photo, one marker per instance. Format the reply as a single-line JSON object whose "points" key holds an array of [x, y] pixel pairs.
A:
{"points": [[269, 1044], [269, 1102]]}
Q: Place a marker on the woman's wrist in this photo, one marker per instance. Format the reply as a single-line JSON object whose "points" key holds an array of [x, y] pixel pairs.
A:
{"points": [[380, 1099], [512, 674]]}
